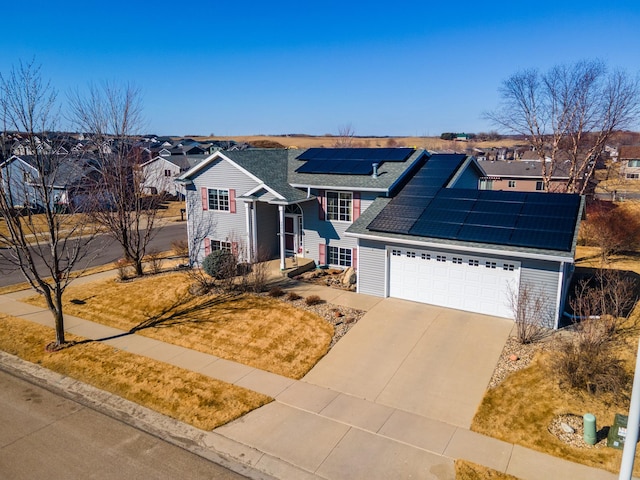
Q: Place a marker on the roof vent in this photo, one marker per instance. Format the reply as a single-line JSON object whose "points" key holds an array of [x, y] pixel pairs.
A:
{"points": [[375, 170]]}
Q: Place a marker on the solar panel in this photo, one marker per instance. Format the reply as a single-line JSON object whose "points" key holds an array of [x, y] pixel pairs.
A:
{"points": [[542, 239], [491, 219], [442, 215], [485, 234], [435, 229], [362, 154]]}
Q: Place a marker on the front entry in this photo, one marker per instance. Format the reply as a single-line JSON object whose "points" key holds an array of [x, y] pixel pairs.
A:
{"points": [[293, 234]]}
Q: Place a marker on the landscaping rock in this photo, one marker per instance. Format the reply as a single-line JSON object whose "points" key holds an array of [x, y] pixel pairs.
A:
{"points": [[566, 428]]}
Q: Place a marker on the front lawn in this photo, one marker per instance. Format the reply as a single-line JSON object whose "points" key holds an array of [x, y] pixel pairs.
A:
{"points": [[522, 408], [253, 330], [190, 397]]}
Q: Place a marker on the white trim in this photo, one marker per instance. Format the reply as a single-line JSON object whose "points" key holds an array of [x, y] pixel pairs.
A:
{"points": [[463, 247], [341, 188], [266, 187], [155, 159]]}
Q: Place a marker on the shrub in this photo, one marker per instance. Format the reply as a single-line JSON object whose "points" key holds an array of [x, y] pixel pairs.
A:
{"points": [[313, 300], [276, 292], [219, 265], [180, 248], [612, 228], [155, 261], [293, 296], [124, 267]]}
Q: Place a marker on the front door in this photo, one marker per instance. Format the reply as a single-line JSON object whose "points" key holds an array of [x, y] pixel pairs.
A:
{"points": [[293, 234]]}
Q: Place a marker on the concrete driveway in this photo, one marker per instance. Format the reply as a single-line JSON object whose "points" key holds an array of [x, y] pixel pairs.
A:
{"points": [[431, 361]]}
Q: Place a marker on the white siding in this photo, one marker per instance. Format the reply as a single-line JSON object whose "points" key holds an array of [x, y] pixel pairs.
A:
{"points": [[372, 268], [543, 277], [329, 233], [225, 226]]}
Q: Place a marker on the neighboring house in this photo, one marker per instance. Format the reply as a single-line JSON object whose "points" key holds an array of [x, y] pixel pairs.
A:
{"points": [[413, 225], [67, 180], [158, 175], [520, 176], [629, 157]]}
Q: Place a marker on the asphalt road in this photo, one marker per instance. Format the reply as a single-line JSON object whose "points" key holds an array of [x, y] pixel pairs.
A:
{"points": [[47, 436], [103, 250]]}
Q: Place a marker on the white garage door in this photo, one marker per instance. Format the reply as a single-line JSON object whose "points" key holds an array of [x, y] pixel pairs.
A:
{"points": [[472, 283]]}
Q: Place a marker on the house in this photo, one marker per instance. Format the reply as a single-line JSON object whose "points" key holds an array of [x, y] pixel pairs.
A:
{"points": [[413, 225], [629, 157], [521, 176], [159, 173], [66, 180]]}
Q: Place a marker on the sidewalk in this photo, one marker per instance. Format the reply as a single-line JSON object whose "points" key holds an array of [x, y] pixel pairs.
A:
{"points": [[309, 431]]}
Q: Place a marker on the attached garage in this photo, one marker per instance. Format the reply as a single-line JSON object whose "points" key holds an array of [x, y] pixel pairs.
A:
{"points": [[465, 282]]}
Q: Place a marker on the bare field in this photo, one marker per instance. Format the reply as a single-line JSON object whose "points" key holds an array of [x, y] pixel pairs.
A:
{"points": [[303, 141]]}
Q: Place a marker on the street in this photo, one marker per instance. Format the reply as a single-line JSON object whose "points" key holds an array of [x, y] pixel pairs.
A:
{"points": [[103, 250], [44, 435]]}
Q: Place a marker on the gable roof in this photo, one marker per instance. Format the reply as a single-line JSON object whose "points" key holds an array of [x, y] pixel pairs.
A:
{"points": [[627, 152], [389, 173], [268, 167], [425, 211], [521, 169]]}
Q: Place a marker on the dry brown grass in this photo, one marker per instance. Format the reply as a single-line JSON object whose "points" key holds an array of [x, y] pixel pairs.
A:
{"points": [[521, 408], [190, 397], [301, 142], [470, 471], [257, 331]]}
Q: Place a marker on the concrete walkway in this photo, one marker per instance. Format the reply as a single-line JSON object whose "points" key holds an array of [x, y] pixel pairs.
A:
{"points": [[393, 399]]}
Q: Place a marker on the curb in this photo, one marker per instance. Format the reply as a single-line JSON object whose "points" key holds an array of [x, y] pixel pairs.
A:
{"points": [[237, 457]]}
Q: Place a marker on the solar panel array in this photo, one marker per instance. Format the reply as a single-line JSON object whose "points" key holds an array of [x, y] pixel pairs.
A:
{"points": [[349, 161], [521, 219]]}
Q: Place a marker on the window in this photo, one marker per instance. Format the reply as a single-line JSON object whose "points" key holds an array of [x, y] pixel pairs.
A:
{"points": [[512, 184], [473, 263], [219, 245], [411, 254], [339, 256], [218, 199], [633, 175], [396, 253], [633, 163], [490, 264], [539, 186], [339, 206], [441, 258], [509, 267], [426, 256], [167, 173], [456, 260]]}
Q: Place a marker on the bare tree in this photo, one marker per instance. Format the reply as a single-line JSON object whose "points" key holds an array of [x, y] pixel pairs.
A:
{"points": [[112, 115], [568, 114], [41, 241], [532, 312], [346, 137]]}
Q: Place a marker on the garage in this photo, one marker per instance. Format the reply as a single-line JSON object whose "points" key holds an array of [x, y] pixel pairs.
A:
{"points": [[453, 280]]}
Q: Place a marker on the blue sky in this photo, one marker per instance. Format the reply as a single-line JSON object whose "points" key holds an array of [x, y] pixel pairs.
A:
{"points": [[244, 68]]}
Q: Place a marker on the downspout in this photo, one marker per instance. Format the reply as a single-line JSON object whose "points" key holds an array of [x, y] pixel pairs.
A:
{"points": [[254, 231], [282, 246], [559, 304], [247, 208]]}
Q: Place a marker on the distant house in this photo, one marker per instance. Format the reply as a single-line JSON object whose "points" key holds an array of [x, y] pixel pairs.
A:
{"points": [[520, 176], [66, 179], [159, 173], [629, 157]]}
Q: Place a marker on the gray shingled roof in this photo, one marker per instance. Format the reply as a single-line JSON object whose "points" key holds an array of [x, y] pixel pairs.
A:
{"points": [[270, 166], [388, 174], [519, 169]]}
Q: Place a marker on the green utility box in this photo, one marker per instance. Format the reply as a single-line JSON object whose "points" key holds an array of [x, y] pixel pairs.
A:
{"points": [[618, 432]]}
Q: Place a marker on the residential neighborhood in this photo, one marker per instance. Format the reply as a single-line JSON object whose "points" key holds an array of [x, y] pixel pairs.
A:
{"points": [[336, 241]]}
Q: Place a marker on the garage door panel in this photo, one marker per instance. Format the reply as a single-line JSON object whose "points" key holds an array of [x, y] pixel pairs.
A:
{"points": [[461, 281]]}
